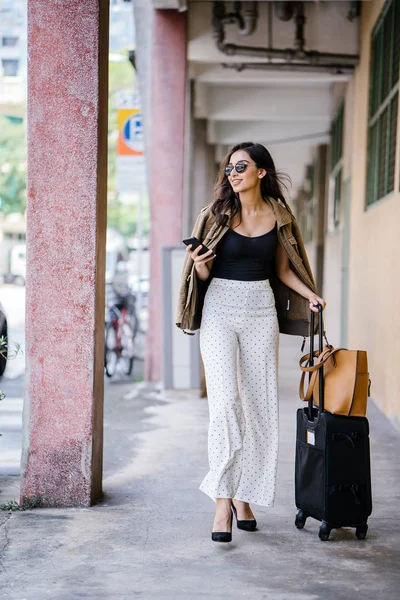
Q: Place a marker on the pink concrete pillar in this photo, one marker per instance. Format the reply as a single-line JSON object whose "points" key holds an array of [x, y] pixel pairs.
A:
{"points": [[166, 169], [66, 218]]}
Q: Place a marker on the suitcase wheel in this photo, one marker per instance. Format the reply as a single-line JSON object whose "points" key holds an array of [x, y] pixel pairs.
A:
{"points": [[361, 531], [324, 531], [300, 519]]}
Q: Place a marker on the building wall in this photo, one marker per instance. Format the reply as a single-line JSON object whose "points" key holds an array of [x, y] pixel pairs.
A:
{"points": [[203, 172], [13, 25], [317, 202], [332, 286], [335, 255], [374, 285], [200, 166]]}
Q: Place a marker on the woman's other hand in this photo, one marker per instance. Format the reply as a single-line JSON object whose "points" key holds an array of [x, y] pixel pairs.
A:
{"points": [[314, 300]]}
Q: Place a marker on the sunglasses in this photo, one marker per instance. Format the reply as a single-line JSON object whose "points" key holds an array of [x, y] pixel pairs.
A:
{"points": [[240, 167]]}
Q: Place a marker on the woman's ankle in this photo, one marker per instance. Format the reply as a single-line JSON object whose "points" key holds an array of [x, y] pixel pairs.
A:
{"points": [[224, 503]]}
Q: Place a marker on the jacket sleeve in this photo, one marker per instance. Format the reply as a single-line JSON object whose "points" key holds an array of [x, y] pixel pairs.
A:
{"points": [[302, 251], [187, 267]]}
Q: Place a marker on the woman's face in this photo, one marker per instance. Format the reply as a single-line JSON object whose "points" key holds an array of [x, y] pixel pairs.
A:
{"points": [[250, 178]]}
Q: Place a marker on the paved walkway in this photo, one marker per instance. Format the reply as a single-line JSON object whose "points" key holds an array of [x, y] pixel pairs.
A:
{"points": [[150, 537]]}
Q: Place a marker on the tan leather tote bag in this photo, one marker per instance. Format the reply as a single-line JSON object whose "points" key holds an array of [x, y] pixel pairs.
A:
{"points": [[346, 380]]}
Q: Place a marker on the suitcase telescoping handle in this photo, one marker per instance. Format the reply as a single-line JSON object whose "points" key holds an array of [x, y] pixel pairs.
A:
{"points": [[311, 364]]}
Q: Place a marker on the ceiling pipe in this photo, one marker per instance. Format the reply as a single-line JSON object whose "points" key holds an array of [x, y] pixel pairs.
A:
{"points": [[250, 17], [291, 56], [300, 21], [284, 10], [334, 69], [354, 11], [245, 20]]}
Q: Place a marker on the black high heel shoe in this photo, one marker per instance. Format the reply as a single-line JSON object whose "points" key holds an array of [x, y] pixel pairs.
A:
{"points": [[222, 536], [246, 525]]}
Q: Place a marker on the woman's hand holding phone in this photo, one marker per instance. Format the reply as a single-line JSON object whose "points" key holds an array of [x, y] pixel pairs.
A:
{"points": [[202, 269]]}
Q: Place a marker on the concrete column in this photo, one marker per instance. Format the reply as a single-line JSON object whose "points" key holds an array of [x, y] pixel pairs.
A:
{"points": [[320, 184], [167, 160], [66, 222], [203, 171]]}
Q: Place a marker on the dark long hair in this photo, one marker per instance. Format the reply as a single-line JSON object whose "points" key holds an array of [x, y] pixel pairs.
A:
{"points": [[271, 184]]}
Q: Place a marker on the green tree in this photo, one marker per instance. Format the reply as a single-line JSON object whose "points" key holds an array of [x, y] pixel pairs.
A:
{"points": [[12, 165], [123, 217], [13, 157]]}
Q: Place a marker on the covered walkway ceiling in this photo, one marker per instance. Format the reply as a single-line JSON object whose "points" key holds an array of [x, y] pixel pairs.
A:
{"points": [[265, 71], [250, 96]]}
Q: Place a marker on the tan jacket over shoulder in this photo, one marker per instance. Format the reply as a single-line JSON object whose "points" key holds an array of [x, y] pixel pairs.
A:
{"points": [[293, 310]]}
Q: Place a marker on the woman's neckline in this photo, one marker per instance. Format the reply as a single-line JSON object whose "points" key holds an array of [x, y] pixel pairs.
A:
{"points": [[255, 236]]}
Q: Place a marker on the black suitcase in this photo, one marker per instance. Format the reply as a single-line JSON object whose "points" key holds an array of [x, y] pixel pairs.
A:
{"points": [[332, 469]]}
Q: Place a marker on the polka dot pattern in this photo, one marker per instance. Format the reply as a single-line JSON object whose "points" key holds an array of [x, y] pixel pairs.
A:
{"points": [[239, 343]]}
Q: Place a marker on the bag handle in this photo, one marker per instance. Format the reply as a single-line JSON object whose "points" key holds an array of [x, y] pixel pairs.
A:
{"points": [[327, 354], [314, 370], [308, 395]]}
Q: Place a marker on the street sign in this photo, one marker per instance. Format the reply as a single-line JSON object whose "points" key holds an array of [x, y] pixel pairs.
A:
{"points": [[130, 174], [130, 132], [127, 99]]}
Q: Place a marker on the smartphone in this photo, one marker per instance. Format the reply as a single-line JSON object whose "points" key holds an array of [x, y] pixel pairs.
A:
{"points": [[195, 243]]}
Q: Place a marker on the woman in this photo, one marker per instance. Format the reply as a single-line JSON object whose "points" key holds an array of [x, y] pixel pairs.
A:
{"points": [[255, 249]]}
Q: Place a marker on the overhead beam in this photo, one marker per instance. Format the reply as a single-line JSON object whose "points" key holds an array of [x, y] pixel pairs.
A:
{"points": [[216, 74], [291, 103], [272, 131]]}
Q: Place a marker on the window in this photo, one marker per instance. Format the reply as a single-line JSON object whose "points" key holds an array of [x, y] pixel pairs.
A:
{"points": [[336, 168], [9, 41], [10, 67], [383, 103], [10, 235]]}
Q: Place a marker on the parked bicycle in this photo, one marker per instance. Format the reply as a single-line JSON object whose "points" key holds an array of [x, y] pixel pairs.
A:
{"points": [[123, 337]]}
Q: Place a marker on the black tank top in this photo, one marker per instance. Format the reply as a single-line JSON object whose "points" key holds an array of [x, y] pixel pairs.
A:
{"points": [[245, 258]]}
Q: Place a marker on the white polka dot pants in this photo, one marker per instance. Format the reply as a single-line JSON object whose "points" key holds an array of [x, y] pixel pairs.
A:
{"points": [[239, 341]]}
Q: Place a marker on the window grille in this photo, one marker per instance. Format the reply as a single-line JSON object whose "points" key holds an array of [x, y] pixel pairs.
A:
{"points": [[383, 103]]}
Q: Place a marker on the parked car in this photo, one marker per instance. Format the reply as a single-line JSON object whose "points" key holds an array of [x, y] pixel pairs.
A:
{"points": [[3, 335]]}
